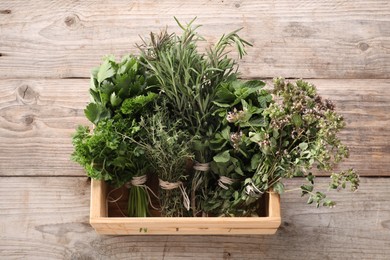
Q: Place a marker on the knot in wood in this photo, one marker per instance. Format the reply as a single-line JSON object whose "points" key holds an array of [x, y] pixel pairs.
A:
{"points": [[363, 46], [6, 11], [28, 120], [27, 94], [71, 20]]}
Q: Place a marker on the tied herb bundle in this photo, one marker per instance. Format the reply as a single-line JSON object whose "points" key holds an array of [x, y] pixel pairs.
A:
{"points": [[120, 92], [189, 80], [270, 135], [174, 106], [167, 148]]}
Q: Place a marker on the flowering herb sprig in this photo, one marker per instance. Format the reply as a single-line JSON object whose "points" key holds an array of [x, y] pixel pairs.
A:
{"points": [[276, 134]]}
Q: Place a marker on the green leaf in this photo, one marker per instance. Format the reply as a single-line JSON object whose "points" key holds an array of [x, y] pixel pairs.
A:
{"points": [[255, 161], [105, 71], [95, 113], [238, 170], [133, 105], [127, 63], [217, 144], [255, 137], [258, 84], [243, 90], [310, 177], [222, 157], [92, 83], [95, 97], [303, 146], [226, 133], [263, 100], [198, 145], [258, 122], [306, 189], [223, 96], [221, 104], [236, 195], [329, 203], [278, 187], [297, 120], [273, 142], [275, 133], [115, 101]]}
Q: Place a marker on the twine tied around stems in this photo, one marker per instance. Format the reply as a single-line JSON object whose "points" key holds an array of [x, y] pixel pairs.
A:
{"points": [[139, 181], [165, 185], [136, 181], [202, 167], [253, 191], [224, 181]]}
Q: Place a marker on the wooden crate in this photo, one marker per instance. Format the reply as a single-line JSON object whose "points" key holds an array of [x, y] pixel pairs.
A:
{"points": [[179, 226]]}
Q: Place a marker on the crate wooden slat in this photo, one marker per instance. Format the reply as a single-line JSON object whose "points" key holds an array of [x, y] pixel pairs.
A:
{"points": [[179, 226]]}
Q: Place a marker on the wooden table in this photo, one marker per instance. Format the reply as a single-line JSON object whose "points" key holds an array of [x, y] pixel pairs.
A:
{"points": [[47, 49]]}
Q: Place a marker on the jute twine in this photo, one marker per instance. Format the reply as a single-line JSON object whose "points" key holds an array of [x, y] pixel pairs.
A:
{"points": [[253, 191], [139, 181], [202, 167], [136, 181], [165, 185], [110, 199], [224, 181]]}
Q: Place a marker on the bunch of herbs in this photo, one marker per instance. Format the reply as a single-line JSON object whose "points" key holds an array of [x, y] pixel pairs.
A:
{"points": [[120, 91], [167, 148], [189, 80], [174, 104], [270, 135]]}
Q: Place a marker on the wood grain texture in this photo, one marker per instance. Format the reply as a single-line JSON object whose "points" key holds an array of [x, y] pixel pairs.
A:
{"points": [[38, 117], [47, 217], [365, 105], [321, 39], [37, 120], [44, 201]]}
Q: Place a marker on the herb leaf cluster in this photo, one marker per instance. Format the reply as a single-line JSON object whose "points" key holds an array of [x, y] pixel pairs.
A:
{"points": [[174, 104]]}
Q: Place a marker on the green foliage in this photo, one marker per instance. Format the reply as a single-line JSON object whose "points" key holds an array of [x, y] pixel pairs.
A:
{"points": [[176, 104], [119, 87], [274, 134], [167, 149], [138, 202], [105, 154], [119, 92], [189, 80], [135, 104]]}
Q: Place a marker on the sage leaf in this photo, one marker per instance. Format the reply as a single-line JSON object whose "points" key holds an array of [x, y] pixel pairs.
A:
{"points": [[222, 157]]}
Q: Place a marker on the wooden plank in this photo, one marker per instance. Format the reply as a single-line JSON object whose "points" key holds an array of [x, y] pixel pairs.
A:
{"points": [[38, 117], [365, 105], [47, 217], [321, 39], [37, 120]]}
